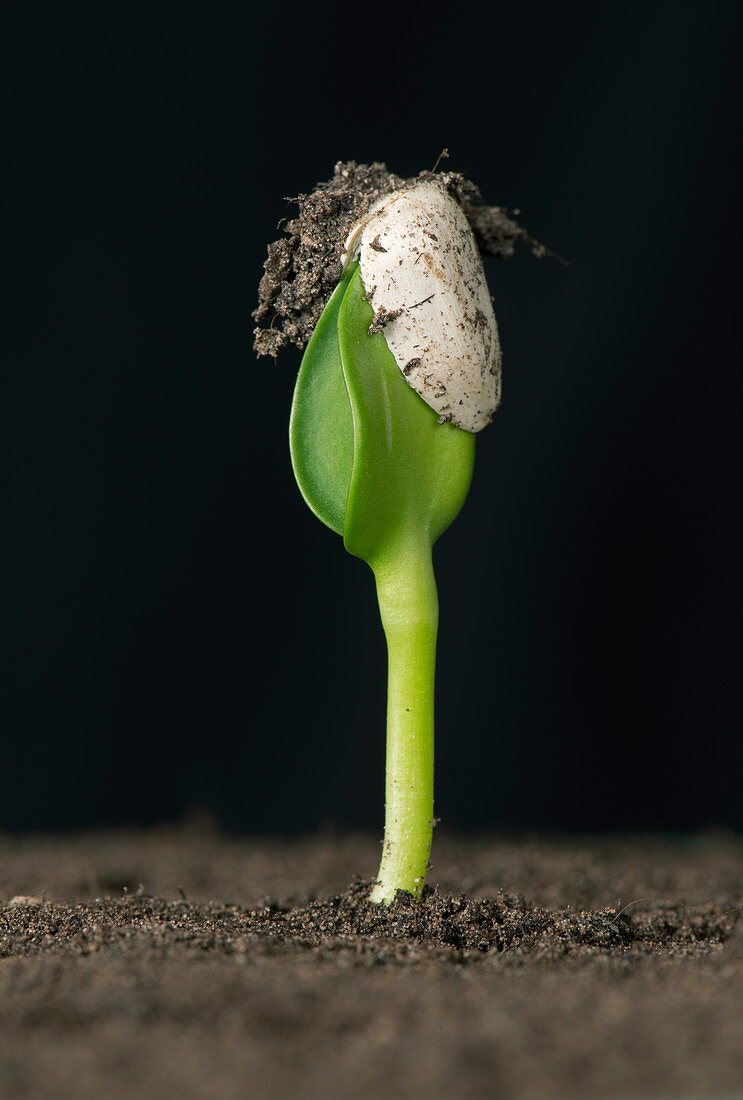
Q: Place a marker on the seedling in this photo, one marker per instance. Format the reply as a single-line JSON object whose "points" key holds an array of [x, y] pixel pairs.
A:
{"points": [[401, 371]]}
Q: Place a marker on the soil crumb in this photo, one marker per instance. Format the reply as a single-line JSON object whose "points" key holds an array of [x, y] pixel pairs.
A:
{"points": [[304, 266], [183, 962]]}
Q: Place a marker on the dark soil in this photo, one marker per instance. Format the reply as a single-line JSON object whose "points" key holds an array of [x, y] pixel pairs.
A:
{"points": [[187, 964], [304, 266]]}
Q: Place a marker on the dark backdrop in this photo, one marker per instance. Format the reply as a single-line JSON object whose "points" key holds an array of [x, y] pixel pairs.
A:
{"points": [[181, 632]]}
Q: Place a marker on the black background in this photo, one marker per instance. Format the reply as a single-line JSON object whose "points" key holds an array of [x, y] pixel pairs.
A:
{"points": [[181, 631]]}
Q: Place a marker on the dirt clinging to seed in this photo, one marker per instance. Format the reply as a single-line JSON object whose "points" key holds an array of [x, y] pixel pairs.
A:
{"points": [[304, 266]]}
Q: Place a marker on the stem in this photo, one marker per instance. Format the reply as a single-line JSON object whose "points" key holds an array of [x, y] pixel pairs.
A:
{"points": [[408, 603]]}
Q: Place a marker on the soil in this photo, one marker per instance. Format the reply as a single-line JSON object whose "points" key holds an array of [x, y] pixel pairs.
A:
{"points": [[185, 963], [304, 266]]}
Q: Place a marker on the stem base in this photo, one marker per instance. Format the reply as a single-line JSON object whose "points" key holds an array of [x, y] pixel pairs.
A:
{"points": [[408, 603]]}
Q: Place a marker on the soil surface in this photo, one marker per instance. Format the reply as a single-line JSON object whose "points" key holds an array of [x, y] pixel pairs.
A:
{"points": [[185, 963]]}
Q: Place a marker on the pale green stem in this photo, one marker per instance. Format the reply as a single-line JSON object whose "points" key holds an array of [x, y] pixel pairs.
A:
{"points": [[408, 603]]}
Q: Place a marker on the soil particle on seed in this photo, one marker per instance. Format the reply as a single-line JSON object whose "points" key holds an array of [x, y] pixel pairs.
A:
{"points": [[303, 267], [381, 318]]}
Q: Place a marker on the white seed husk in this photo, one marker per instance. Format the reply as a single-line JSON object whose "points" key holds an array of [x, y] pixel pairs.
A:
{"points": [[424, 278]]}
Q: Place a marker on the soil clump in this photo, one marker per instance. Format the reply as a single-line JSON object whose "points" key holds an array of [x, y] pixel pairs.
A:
{"points": [[304, 266]]}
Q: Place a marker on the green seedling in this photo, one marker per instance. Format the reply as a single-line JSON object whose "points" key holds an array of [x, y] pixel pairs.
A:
{"points": [[385, 466]]}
